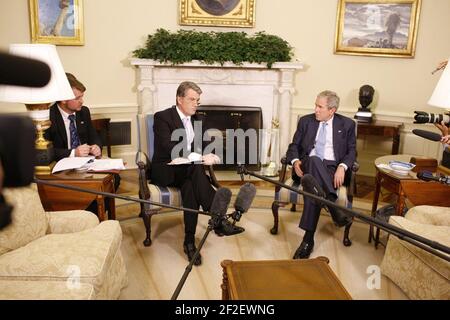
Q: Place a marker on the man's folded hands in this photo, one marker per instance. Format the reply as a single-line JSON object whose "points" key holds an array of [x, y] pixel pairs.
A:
{"points": [[210, 159]]}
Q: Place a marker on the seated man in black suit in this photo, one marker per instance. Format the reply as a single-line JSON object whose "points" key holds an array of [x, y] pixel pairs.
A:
{"points": [[72, 132], [324, 145], [195, 186]]}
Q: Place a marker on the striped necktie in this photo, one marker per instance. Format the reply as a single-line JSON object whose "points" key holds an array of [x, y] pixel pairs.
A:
{"points": [[74, 139]]}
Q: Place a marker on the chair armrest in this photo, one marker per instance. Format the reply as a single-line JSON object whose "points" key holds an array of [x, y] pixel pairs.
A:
{"points": [[70, 221], [212, 176], [143, 170], [351, 179]]}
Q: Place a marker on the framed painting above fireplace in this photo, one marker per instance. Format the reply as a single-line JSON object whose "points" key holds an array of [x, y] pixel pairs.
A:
{"points": [[222, 13]]}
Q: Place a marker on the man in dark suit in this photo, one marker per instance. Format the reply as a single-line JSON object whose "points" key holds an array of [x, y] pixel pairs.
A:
{"points": [[72, 132], [324, 145], [195, 186]]}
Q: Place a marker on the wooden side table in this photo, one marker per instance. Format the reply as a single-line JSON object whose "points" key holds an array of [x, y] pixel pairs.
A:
{"points": [[309, 279], [391, 181], [387, 129], [58, 199]]}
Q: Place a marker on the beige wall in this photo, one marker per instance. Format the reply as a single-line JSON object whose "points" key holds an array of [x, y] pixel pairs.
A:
{"points": [[113, 29]]}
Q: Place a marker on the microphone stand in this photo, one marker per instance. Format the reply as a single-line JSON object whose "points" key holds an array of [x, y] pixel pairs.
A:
{"points": [[400, 233], [214, 221]]}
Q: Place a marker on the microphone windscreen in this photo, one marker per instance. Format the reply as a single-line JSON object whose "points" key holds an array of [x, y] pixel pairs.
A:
{"points": [[427, 135], [24, 72], [245, 197], [221, 201]]}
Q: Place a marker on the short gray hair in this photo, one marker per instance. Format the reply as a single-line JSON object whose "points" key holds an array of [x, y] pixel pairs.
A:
{"points": [[332, 98], [185, 86]]}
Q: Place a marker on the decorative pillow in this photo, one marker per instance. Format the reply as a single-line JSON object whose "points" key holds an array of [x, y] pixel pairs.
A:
{"points": [[29, 221]]}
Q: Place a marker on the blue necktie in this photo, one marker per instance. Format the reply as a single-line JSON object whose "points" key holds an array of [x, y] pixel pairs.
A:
{"points": [[74, 139], [321, 140]]}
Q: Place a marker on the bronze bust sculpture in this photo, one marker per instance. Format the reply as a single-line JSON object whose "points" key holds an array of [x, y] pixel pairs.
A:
{"points": [[366, 93]]}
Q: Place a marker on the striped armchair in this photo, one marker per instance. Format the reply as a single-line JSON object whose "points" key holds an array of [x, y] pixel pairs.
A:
{"points": [[284, 196], [148, 191]]}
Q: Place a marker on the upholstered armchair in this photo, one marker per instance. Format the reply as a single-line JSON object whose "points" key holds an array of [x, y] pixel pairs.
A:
{"points": [[420, 274], [284, 196], [58, 255], [148, 191]]}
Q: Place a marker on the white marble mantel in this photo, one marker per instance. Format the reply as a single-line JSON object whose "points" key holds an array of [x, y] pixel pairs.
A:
{"points": [[249, 84]]}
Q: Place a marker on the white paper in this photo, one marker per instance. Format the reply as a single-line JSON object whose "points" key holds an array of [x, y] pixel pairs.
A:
{"points": [[192, 157], [71, 163], [106, 164]]}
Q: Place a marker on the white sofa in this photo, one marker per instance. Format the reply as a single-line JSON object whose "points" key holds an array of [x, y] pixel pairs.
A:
{"points": [[420, 274], [58, 255]]}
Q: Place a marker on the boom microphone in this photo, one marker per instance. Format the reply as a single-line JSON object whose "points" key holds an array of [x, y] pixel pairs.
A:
{"points": [[243, 201], [220, 203], [427, 135], [219, 207], [24, 72]]}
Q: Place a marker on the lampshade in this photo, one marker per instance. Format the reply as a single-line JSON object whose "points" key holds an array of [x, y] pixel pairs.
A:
{"points": [[441, 94], [58, 87]]}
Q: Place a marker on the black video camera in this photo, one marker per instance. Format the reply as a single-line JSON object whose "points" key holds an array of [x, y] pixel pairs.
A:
{"points": [[17, 157], [17, 133], [425, 117]]}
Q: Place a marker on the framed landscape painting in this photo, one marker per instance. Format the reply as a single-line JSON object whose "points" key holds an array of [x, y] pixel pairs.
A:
{"points": [[222, 13], [377, 27], [57, 22]]}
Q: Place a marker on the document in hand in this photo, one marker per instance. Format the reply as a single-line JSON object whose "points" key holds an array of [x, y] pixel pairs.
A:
{"points": [[71, 163]]}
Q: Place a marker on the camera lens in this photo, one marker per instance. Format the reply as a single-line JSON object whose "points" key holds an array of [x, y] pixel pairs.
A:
{"points": [[425, 117]]}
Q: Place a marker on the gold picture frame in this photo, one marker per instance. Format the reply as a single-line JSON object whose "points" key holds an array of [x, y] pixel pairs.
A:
{"points": [[221, 13], [58, 22], [377, 27]]}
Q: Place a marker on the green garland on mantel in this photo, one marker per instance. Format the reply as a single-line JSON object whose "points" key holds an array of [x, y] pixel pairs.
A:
{"points": [[214, 47]]}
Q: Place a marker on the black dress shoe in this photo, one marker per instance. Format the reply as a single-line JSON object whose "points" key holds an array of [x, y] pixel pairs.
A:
{"points": [[189, 249], [304, 250], [310, 185], [227, 229], [339, 216]]}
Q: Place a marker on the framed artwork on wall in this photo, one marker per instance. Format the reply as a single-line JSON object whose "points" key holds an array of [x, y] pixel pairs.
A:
{"points": [[222, 13], [57, 22], [377, 27]]}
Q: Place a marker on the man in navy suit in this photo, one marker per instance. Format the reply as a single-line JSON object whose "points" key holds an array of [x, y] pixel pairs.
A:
{"points": [[72, 132], [81, 140], [324, 145]]}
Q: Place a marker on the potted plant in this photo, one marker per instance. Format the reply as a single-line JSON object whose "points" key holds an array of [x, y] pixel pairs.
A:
{"points": [[215, 47]]}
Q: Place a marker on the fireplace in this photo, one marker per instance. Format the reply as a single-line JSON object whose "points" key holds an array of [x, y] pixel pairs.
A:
{"points": [[237, 129], [251, 85]]}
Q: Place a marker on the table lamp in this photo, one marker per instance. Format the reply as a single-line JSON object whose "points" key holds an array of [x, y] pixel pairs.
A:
{"points": [[441, 99], [38, 100]]}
